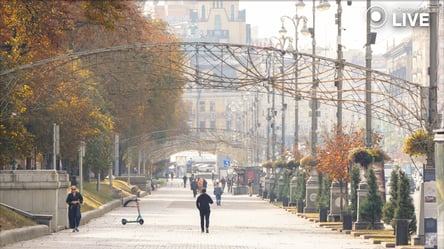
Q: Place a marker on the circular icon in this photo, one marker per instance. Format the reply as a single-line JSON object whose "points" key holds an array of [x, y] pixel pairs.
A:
{"points": [[313, 197], [378, 16], [338, 202]]}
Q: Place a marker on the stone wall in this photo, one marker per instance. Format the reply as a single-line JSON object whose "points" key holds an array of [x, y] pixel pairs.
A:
{"points": [[37, 192]]}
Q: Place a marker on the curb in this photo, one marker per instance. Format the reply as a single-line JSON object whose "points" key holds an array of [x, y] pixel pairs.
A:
{"points": [[24, 233], [32, 232]]}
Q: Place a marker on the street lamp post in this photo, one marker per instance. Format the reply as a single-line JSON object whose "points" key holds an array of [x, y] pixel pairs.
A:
{"points": [[283, 41], [323, 5], [312, 186], [296, 19]]}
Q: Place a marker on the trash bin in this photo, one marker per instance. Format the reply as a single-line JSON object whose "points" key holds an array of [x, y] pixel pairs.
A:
{"points": [[285, 201], [347, 223], [300, 206], [323, 215], [265, 194], [402, 231], [272, 197]]}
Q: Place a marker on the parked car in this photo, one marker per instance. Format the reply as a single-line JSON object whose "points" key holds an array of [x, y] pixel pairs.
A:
{"points": [[206, 168]]}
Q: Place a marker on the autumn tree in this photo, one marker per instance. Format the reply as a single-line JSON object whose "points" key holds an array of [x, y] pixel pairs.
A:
{"points": [[79, 95], [333, 156]]}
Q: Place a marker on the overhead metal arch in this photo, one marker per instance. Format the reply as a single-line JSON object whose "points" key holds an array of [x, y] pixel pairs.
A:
{"points": [[243, 68], [236, 67], [207, 140]]}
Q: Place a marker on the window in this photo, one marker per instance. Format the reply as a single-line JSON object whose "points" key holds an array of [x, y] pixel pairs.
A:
{"points": [[213, 124], [204, 14], [217, 22], [202, 125], [228, 124], [201, 106], [212, 106], [232, 12]]}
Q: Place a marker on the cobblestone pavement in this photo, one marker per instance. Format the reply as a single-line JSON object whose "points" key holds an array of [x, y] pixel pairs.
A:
{"points": [[172, 221]]}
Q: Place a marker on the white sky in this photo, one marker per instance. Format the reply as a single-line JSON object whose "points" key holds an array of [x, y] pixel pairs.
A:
{"points": [[264, 16]]}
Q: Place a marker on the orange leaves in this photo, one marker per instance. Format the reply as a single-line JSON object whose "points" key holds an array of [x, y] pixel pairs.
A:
{"points": [[333, 156]]}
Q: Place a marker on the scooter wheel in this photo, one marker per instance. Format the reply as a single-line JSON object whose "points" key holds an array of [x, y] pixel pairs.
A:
{"points": [[124, 221], [141, 221]]}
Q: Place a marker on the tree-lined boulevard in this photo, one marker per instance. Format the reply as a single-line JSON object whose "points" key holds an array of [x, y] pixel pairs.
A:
{"points": [[172, 221]]}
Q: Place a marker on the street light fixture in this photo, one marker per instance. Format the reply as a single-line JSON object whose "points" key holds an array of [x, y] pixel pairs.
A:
{"points": [[300, 5], [323, 5]]}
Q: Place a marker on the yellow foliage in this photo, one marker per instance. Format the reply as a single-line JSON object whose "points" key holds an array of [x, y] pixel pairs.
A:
{"points": [[420, 143]]}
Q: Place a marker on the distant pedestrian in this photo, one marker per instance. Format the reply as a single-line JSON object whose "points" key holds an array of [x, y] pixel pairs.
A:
{"points": [[223, 182], [218, 193], [203, 204], [193, 185], [74, 200], [212, 176], [250, 187], [229, 184], [185, 181], [204, 183]]}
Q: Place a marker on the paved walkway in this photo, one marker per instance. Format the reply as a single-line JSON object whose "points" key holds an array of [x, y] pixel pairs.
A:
{"points": [[172, 221]]}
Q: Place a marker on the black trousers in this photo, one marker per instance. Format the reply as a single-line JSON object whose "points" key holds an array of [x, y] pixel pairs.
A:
{"points": [[204, 220], [74, 216]]}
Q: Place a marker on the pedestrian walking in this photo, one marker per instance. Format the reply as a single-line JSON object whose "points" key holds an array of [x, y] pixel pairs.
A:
{"points": [[250, 187], [229, 184], [184, 181], [204, 183], [193, 185], [203, 204], [223, 182], [74, 200], [218, 193]]}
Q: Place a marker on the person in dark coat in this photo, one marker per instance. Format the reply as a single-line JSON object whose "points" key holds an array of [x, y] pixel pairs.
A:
{"points": [[203, 204], [74, 200], [185, 181], [193, 185]]}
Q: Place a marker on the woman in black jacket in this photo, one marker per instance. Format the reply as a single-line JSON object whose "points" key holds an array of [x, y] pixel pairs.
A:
{"points": [[74, 200]]}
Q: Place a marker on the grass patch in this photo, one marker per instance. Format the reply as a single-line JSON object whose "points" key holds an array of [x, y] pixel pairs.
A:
{"points": [[92, 199], [10, 219]]}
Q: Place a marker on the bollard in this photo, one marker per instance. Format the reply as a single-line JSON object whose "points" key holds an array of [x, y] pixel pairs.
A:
{"points": [[347, 223], [439, 168], [402, 231]]}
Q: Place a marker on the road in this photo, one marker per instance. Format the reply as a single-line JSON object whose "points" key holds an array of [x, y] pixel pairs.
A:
{"points": [[172, 221]]}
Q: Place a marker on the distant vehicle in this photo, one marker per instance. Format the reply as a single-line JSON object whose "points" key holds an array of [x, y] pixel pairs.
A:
{"points": [[430, 198], [206, 168]]}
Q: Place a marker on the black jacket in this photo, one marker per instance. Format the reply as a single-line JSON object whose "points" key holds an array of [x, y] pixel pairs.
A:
{"points": [[203, 203]]}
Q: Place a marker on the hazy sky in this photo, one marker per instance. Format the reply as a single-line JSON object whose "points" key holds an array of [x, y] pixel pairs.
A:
{"points": [[264, 16]]}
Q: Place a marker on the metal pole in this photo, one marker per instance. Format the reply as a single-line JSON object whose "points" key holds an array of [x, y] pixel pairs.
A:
{"points": [[283, 103], [81, 153], [368, 86], [54, 150], [273, 121], [296, 95], [339, 68], [314, 101], [433, 74]]}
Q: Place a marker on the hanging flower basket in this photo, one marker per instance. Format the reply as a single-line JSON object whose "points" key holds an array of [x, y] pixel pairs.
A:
{"points": [[279, 163], [308, 161], [361, 156], [267, 164]]}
